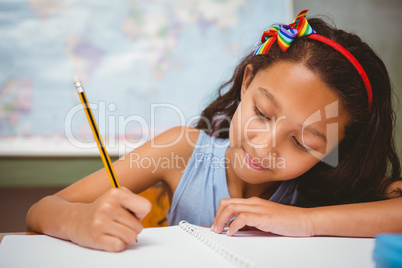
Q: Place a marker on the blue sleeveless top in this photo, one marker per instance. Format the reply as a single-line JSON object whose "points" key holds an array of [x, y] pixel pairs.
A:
{"points": [[203, 185]]}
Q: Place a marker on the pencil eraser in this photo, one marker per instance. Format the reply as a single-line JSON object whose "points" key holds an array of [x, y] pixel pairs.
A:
{"points": [[78, 84]]}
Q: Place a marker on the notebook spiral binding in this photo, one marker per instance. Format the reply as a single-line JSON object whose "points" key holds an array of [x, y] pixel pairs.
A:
{"points": [[233, 257]]}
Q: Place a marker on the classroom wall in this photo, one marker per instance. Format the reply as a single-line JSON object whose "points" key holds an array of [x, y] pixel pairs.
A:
{"points": [[376, 21]]}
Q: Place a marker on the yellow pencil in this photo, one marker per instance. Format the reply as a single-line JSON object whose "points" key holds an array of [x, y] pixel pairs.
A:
{"points": [[104, 155]]}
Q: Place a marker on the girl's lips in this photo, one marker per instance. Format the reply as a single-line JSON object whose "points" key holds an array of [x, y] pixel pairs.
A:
{"points": [[252, 164]]}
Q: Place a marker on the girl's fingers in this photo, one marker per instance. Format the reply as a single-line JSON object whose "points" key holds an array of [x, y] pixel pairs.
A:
{"points": [[229, 211], [265, 215], [242, 220], [122, 232], [229, 208], [229, 201], [114, 220], [127, 215], [138, 205], [126, 218], [226, 202], [110, 243]]}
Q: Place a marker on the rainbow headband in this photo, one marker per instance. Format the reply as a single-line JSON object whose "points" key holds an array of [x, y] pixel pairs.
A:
{"points": [[285, 34]]}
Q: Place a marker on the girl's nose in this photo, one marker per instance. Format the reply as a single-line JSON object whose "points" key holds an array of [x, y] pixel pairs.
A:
{"points": [[265, 142]]}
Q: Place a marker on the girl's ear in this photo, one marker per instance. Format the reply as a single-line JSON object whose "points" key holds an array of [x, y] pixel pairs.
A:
{"points": [[247, 78]]}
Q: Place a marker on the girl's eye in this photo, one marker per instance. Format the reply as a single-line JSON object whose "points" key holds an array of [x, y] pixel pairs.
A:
{"points": [[299, 145], [260, 114]]}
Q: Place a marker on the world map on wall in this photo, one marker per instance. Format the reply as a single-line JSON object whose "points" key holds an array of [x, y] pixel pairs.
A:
{"points": [[144, 64]]}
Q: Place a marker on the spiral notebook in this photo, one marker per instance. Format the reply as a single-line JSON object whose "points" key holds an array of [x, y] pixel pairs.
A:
{"points": [[187, 245]]}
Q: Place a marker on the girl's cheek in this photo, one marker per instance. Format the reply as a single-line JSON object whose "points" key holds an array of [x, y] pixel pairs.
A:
{"points": [[300, 165]]}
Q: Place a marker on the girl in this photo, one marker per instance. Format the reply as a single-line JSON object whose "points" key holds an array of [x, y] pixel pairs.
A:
{"points": [[300, 144]]}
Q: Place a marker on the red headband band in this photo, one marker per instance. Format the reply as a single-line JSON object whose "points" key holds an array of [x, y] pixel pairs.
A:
{"points": [[352, 60], [285, 34]]}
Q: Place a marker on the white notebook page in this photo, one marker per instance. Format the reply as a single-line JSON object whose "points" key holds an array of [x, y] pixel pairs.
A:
{"points": [[173, 247]]}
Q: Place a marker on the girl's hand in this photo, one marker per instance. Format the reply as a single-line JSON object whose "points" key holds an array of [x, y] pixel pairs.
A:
{"points": [[111, 222], [263, 215]]}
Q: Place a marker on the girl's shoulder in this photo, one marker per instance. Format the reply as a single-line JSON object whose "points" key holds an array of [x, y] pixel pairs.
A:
{"points": [[174, 148], [180, 140], [184, 141], [177, 143]]}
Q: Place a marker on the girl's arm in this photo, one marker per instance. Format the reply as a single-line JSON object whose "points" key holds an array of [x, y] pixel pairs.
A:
{"points": [[93, 214], [356, 220], [360, 220]]}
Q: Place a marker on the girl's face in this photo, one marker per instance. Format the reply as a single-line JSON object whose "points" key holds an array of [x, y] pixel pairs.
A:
{"points": [[287, 121]]}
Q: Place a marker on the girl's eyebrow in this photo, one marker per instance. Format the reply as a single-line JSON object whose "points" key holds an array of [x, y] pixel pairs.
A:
{"points": [[271, 97]]}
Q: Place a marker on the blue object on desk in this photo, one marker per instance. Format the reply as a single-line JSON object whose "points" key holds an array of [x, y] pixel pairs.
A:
{"points": [[388, 251]]}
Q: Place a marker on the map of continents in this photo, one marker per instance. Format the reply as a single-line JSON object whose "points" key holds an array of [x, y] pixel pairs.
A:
{"points": [[130, 54]]}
